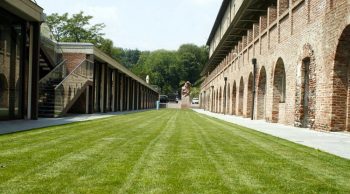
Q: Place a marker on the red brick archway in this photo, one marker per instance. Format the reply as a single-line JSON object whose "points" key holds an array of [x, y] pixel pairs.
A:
{"points": [[217, 101], [220, 101], [4, 91], [228, 99], [212, 104], [279, 90], [261, 94], [241, 97], [249, 95], [340, 99], [305, 97], [234, 97]]}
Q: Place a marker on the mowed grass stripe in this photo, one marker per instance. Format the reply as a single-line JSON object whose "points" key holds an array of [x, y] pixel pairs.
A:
{"points": [[166, 151], [35, 153], [38, 160], [77, 176], [40, 135], [152, 152], [189, 169], [254, 176], [229, 169], [286, 158], [298, 154]]}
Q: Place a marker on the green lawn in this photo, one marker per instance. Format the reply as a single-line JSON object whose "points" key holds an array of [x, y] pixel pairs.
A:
{"points": [[167, 151]]}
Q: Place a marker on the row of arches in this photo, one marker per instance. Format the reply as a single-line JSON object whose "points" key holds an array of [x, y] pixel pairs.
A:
{"points": [[239, 98], [272, 98]]}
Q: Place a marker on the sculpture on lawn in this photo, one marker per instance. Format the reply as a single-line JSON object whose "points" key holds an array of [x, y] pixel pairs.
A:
{"points": [[185, 95]]}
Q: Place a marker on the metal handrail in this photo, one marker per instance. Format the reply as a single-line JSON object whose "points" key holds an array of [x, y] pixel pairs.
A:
{"points": [[54, 69], [52, 39], [72, 72]]}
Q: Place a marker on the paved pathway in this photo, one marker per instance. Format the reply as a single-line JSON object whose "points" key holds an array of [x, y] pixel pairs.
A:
{"points": [[336, 143], [25, 125]]}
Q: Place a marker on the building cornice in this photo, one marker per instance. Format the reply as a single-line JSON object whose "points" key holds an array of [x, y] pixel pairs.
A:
{"points": [[24, 9]]}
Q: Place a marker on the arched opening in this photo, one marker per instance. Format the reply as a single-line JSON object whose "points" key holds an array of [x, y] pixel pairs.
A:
{"points": [[228, 99], [261, 95], [250, 95], [214, 101], [241, 97], [220, 101], [305, 100], [279, 91], [340, 99], [234, 96], [4, 96], [217, 101]]}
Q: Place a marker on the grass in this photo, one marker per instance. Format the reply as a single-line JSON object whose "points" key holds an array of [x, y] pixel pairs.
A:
{"points": [[167, 151]]}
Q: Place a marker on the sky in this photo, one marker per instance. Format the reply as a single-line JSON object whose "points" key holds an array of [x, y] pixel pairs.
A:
{"points": [[146, 24]]}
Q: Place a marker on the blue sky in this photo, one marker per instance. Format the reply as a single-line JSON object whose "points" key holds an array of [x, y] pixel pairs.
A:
{"points": [[146, 24]]}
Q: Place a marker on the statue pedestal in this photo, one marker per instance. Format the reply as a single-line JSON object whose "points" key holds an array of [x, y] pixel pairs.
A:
{"points": [[185, 102]]}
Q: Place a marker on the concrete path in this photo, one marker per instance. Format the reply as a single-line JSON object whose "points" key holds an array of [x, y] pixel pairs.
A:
{"points": [[337, 143], [25, 125]]}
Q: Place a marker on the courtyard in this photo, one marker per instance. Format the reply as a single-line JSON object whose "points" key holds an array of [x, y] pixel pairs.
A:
{"points": [[166, 151]]}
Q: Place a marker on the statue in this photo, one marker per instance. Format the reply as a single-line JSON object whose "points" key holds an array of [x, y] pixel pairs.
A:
{"points": [[185, 95], [147, 79]]}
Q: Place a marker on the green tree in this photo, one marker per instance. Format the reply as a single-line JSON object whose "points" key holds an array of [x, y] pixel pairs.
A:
{"points": [[128, 57], [161, 66], [170, 69], [57, 25], [191, 61], [78, 28]]}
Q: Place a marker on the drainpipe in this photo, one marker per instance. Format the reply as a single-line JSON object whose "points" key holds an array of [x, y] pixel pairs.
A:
{"points": [[254, 91], [212, 99], [225, 78]]}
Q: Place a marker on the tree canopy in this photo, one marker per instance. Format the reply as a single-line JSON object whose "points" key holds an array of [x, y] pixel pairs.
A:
{"points": [[170, 69], [77, 28], [167, 69]]}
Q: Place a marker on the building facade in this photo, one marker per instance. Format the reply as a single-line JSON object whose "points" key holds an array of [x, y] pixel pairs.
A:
{"points": [[19, 58], [283, 61], [86, 80], [43, 78]]}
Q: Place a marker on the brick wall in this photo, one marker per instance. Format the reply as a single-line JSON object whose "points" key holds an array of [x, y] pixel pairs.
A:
{"points": [[305, 36], [74, 59]]}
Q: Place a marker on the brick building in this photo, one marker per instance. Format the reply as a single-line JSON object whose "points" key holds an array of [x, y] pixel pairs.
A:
{"points": [[283, 61], [19, 58], [40, 77]]}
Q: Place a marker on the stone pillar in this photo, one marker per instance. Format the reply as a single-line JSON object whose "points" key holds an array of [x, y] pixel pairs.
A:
{"points": [[117, 90], [121, 102], [35, 72], [108, 91], [133, 95], [113, 90], [128, 94], [137, 95]]}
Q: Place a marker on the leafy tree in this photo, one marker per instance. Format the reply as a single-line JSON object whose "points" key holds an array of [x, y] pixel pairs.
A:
{"points": [[170, 69], [167, 69], [77, 28], [191, 61], [57, 25], [127, 57]]}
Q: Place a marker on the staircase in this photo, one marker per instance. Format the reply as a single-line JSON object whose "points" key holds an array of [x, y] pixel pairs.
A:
{"points": [[58, 87], [48, 103]]}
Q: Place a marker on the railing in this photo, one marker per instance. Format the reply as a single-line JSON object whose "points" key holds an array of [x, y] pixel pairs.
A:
{"points": [[57, 74], [72, 85], [49, 45], [52, 78]]}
